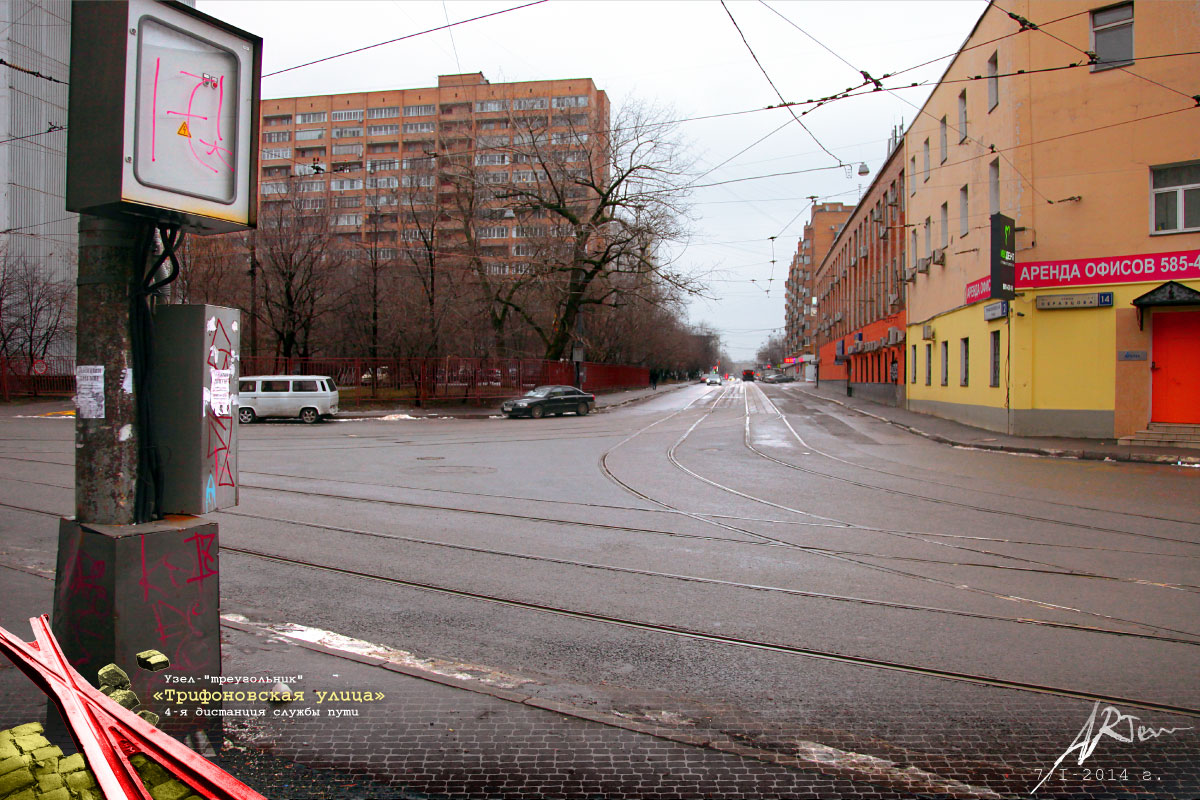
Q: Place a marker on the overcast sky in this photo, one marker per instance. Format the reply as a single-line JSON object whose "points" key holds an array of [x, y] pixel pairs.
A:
{"points": [[686, 55]]}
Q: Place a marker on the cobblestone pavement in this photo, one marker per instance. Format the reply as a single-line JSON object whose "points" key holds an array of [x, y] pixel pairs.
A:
{"points": [[434, 738]]}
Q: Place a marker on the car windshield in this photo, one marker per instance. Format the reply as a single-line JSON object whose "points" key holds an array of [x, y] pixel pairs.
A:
{"points": [[540, 391]]}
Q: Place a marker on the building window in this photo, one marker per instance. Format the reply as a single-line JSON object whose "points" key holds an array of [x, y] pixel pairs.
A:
{"points": [[491, 159], [312, 203], [993, 81], [1176, 198], [945, 220], [385, 182], [912, 368], [945, 363], [347, 219], [1112, 36], [281, 119], [944, 150], [417, 163], [964, 208], [347, 149], [347, 116], [913, 248], [418, 127], [928, 236], [347, 202], [421, 111], [273, 188], [912, 170], [964, 361], [994, 186], [530, 103], [378, 165], [274, 137], [417, 181], [347, 133], [928, 365], [383, 147], [483, 106], [310, 134], [276, 152], [925, 150], [994, 361], [310, 186], [311, 117], [383, 130], [385, 113], [962, 116], [573, 101]]}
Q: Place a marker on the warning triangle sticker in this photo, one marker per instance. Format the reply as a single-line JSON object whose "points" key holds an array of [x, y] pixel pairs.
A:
{"points": [[183, 130]]}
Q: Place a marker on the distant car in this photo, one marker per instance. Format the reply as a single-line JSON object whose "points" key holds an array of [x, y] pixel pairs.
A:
{"points": [[550, 400], [306, 397], [713, 380], [747, 374]]}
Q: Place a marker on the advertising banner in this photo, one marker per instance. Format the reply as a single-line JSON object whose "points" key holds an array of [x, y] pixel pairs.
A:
{"points": [[1178, 265]]}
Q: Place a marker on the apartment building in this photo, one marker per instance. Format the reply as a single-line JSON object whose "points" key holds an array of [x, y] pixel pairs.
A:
{"points": [[1076, 121], [397, 167], [825, 221], [859, 288]]}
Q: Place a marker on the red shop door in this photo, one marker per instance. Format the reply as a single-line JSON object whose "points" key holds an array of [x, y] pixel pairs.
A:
{"points": [[1176, 367]]}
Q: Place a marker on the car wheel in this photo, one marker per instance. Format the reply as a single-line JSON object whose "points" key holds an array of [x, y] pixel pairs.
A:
{"points": [[309, 415], [246, 415], [582, 410], [537, 412]]}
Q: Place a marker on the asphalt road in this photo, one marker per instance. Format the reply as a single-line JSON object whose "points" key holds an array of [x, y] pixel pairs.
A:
{"points": [[743, 559]]}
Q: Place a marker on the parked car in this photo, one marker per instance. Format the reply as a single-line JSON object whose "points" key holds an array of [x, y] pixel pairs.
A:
{"points": [[713, 380], [306, 397], [546, 400]]}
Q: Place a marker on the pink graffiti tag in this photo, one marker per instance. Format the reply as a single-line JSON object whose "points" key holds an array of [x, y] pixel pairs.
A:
{"points": [[205, 557], [220, 426], [91, 613], [190, 117], [147, 571]]}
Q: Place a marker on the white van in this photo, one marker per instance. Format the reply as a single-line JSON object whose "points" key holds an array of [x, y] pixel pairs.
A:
{"points": [[307, 397]]}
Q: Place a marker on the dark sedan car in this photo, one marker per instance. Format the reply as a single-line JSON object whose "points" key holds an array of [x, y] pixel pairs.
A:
{"points": [[549, 400]]}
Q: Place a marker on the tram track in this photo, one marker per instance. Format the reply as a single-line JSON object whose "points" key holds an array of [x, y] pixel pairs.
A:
{"points": [[696, 635], [858, 561]]}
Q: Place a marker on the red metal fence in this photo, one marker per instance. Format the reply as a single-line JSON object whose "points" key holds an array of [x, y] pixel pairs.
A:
{"points": [[363, 379], [53, 375]]}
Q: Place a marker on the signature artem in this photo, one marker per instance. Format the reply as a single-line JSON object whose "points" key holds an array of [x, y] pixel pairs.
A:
{"points": [[1121, 727]]}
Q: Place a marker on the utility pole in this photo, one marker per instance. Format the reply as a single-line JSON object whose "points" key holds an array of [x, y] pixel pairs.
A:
{"points": [[106, 427], [253, 294]]}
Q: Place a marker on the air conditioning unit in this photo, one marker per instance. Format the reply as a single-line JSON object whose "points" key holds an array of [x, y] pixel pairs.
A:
{"points": [[837, 317], [876, 215], [895, 336], [939, 256], [862, 251], [894, 299], [923, 264], [883, 233], [927, 332], [910, 275]]}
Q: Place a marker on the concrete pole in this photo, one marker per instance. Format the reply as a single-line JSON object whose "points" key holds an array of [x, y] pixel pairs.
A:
{"points": [[106, 449]]}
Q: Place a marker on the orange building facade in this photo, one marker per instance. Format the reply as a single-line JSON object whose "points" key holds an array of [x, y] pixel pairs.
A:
{"points": [[1075, 120], [820, 232], [383, 164], [859, 289]]}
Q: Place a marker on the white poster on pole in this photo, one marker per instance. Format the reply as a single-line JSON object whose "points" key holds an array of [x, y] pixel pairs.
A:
{"points": [[89, 392]]}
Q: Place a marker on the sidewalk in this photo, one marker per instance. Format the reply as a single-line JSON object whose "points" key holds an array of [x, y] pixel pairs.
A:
{"points": [[960, 435]]}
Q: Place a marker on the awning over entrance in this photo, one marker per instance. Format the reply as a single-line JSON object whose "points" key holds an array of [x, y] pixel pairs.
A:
{"points": [[1168, 294]]}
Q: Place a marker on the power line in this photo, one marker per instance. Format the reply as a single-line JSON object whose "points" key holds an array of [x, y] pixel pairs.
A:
{"points": [[32, 72], [52, 129], [402, 38], [773, 86]]}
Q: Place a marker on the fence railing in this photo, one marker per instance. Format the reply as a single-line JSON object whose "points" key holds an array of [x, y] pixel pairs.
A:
{"points": [[365, 379], [53, 375]]}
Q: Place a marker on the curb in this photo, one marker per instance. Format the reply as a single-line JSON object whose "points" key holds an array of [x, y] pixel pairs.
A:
{"points": [[1046, 452]]}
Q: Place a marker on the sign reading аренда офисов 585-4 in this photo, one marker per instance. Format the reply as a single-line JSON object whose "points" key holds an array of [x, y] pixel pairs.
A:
{"points": [[1174, 266]]}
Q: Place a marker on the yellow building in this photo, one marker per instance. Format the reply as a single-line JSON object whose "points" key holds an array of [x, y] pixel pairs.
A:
{"points": [[1077, 121]]}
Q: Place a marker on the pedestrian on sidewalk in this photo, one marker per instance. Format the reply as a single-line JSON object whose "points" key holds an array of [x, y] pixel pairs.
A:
{"points": [[653, 379]]}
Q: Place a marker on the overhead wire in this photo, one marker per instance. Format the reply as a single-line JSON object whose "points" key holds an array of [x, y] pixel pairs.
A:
{"points": [[778, 93], [403, 38]]}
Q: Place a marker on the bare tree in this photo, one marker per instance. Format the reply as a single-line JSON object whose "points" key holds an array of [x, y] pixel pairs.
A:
{"points": [[37, 312], [300, 254], [773, 350], [589, 203]]}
